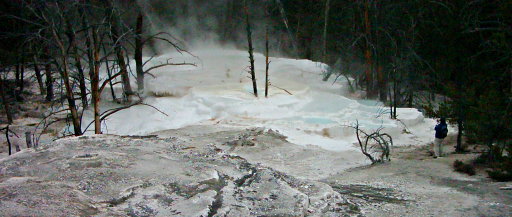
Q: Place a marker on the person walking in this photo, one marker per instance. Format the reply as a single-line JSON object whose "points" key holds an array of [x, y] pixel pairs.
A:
{"points": [[441, 133]]}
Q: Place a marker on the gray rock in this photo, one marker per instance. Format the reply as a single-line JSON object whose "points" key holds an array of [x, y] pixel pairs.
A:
{"points": [[118, 176]]}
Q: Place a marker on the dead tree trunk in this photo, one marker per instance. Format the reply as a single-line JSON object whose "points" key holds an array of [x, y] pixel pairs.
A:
{"points": [[28, 139], [109, 74], [9, 146], [78, 64], [49, 79], [267, 62], [138, 53], [115, 36], [251, 56], [69, 90], [460, 126], [93, 54], [81, 80], [393, 94], [326, 20], [382, 83], [368, 52], [39, 77], [5, 101], [17, 74], [95, 80], [124, 72], [285, 21], [22, 73]]}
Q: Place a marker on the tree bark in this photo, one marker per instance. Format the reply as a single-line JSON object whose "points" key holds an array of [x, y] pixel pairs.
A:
{"points": [[267, 63], [5, 102], [251, 56], [9, 146], [368, 52], [109, 74], [395, 96], [81, 79], [95, 80], [326, 20], [48, 81], [382, 84], [69, 90], [115, 36], [17, 74], [460, 126], [78, 64], [39, 77], [410, 98], [28, 139], [22, 73], [138, 52]]}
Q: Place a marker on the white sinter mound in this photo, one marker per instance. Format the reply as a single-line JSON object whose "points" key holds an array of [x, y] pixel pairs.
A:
{"points": [[219, 92]]}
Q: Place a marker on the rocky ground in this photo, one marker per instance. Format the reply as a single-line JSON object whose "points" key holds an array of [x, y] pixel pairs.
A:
{"points": [[211, 171]]}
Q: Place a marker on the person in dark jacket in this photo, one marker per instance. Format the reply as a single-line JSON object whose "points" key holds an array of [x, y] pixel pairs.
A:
{"points": [[441, 133]]}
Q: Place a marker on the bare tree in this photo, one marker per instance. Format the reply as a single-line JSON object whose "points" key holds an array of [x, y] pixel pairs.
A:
{"points": [[4, 99], [326, 20], [9, 145], [48, 73], [285, 22], [251, 49], [138, 52], [65, 77], [140, 42], [117, 39], [39, 77], [368, 53], [71, 33], [267, 62], [376, 146]]}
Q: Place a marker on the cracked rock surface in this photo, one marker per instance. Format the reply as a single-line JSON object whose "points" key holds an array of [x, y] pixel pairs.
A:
{"points": [[118, 176], [215, 171]]}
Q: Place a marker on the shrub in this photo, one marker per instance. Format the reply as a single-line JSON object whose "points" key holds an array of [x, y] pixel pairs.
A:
{"points": [[500, 175], [502, 170], [464, 167], [375, 145]]}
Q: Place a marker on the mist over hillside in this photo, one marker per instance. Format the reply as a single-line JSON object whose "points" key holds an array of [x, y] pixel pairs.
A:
{"points": [[255, 108]]}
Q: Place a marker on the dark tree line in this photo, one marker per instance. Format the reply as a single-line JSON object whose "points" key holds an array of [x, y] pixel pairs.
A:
{"points": [[449, 58]]}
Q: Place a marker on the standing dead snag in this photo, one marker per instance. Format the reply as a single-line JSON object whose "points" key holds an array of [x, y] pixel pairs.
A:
{"points": [[28, 139], [78, 64], [117, 41], [5, 102], [39, 77], [138, 52], [368, 51], [92, 46], [49, 78], [288, 29], [20, 73], [376, 146], [326, 21], [69, 89], [140, 41], [95, 80], [93, 53], [267, 62], [9, 145], [251, 49]]}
